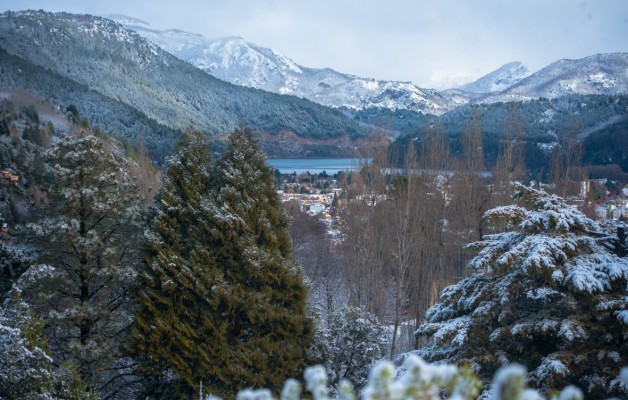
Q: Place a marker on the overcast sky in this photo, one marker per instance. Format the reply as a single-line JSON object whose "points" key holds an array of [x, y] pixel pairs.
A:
{"points": [[433, 43]]}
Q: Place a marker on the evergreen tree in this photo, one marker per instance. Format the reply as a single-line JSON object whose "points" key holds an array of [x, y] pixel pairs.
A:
{"points": [[85, 277], [14, 260], [262, 299], [547, 295], [225, 303], [351, 344], [26, 369], [173, 334]]}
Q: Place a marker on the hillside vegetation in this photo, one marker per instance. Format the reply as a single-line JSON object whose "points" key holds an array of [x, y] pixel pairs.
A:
{"points": [[101, 56]]}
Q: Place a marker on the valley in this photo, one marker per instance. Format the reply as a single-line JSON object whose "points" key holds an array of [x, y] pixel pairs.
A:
{"points": [[192, 217]]}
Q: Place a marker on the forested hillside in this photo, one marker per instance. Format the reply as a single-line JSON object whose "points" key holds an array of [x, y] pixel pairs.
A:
{"points": [[101, 56], [542, 124], [112, 116]]}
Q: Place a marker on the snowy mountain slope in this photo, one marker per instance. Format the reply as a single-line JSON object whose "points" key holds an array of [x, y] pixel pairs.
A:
{"points": [[498, 80], [605, 74], [235, 60], [102, 56]]}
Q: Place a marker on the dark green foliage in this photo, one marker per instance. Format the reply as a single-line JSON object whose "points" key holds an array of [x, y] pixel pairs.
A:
{"points": [[172, 322], [4, 127], [72, 112], [31, 113], [13, 262], [608, 146], [33, 134], [224, 303], [266, 297]]}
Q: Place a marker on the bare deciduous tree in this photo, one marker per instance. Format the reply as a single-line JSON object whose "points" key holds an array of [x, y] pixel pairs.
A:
{"points": [[566, 165]]}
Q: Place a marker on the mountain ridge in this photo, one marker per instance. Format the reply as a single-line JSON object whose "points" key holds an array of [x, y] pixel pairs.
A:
{"points": [[119, 78], [605, 73], [118, 63], [498, 80], [238, 61]]}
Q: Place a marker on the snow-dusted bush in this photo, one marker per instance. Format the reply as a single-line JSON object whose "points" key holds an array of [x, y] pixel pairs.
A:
{"points": [[416, 380], [349, 345], [26, 369], [546, 294]]}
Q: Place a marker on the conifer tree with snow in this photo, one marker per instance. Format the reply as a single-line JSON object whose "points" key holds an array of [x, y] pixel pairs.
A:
{"points": [[350, 345], [546, 294], [173, 325], [83, 280], [225, 304], [14, 260], [261, 299], [26, 369]]}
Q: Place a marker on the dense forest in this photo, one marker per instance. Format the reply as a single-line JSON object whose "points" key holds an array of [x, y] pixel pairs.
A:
{"points": [[598, 120]]}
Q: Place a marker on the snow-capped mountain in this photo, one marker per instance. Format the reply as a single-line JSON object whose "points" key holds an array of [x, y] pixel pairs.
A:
{"points": [[605, 74], [498, 80], [235, 60]]}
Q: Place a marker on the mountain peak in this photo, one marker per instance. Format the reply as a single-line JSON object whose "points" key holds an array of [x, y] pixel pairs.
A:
{"points": [[235, 60], [500, 79], [597, 74]]}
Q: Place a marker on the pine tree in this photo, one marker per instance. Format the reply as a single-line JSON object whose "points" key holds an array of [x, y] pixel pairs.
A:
{"points": [[225, 303], [174, 334], [85, 276], [547, 295], [262, 295]]}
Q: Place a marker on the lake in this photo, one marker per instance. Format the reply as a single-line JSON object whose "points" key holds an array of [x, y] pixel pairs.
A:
{"points": [[314, 165]]}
